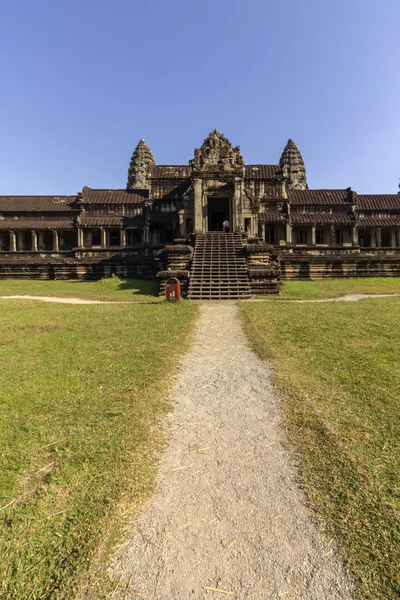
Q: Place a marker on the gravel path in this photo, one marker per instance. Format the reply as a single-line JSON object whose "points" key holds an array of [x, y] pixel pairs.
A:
{"points": [[348, 298], [229, 519]]}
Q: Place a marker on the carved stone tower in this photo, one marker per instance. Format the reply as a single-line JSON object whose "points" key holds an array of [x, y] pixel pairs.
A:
{"points": [[218, 174], [141, 162], [217, 156], [293, 167]]}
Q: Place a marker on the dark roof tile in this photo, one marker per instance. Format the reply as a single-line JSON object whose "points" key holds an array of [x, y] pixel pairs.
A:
{"points": [[91, 196], [37, 224], [321, 218], [379, 222], [272, 217], [88, 221], [318, 197], [261, 171], [37, 203], [170, 172], [378, 202]]}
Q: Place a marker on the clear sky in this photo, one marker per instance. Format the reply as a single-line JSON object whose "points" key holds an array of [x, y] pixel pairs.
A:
{"points": [[81, 81]]}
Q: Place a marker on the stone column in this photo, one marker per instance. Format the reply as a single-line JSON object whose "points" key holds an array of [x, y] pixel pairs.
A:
{"points": [[355, 236], [254, 224], [237, 205], [80, 237], [55, 241], [263, 231], [393, 238], [313, 236], [333, 238], [378, 237], [103, 237], [123, 238], [20, 239], [34, 241], [289, 234], [181, 224], [198, 206], [13, 241]]}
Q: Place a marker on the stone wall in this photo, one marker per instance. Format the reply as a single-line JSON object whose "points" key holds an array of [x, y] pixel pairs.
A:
{"points": [[296, 267], [263, 264], [97, 266], [175, 261]]}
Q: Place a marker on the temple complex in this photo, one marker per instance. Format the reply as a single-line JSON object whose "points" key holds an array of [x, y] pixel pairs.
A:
{"points": [[169, 220]]}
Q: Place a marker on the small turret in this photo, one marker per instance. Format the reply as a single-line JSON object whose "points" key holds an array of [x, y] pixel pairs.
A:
{"points": [[293, 168], [141, 162]]}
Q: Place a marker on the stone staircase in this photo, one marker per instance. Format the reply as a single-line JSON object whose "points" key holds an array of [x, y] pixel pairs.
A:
{"points": [[219, 268]]}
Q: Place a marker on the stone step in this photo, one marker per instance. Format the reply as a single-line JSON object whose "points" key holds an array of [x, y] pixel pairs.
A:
{"points": [[219, 268]]}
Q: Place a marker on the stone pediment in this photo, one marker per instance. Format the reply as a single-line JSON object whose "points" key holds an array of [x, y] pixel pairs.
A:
{"points": [[217, 156]]}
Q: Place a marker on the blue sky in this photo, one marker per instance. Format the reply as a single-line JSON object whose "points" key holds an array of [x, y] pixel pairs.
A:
{"points": [[82, 81]]}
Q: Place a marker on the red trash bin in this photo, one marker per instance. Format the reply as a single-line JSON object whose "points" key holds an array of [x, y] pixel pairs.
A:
{"points": [[172, 290]]}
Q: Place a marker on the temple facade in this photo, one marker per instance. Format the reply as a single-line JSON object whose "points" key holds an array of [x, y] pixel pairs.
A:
{"points": [[313, 232]]}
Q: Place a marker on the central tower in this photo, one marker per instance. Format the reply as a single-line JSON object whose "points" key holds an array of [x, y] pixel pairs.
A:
{"points": [[217, 171]]}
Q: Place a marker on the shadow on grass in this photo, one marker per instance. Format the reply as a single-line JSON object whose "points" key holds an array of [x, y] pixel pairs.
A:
{"points": [[142, 287]]}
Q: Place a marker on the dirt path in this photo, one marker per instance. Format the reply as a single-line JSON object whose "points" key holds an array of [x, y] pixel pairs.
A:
{"points": [[348, 298], [229, 519]]}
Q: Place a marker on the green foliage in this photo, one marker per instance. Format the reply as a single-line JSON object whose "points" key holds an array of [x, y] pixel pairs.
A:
{"points": [[337, 368], [113, 282], [81, 388]]}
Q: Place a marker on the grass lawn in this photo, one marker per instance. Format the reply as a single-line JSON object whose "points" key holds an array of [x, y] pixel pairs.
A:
{"points": [[337, 367], [81, 388], [333, 288], [110, 289]]}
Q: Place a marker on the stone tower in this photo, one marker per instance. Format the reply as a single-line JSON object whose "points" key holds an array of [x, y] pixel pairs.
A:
{"points": [[141, 162], [293, 168]]}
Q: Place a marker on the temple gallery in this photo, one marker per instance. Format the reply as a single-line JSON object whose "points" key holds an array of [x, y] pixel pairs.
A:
{"points": [[168, 220]]}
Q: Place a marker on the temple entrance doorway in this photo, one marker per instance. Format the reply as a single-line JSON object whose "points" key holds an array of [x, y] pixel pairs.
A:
{"points": [[218, 210]]}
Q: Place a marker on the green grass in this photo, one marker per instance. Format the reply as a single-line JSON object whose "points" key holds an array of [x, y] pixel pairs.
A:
{"points": [[110, 289], [333, 288], [81, 388], [338, 370]]}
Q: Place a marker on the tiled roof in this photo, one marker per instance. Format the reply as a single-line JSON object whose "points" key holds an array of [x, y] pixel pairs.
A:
{"points": [[261, 171], [170, 172], [318, 197], [321, 218], [37, 224], [378, 202], [91, 196], [37, 203], [379, 222], [110, 221], [271, 217], [87, 221]]}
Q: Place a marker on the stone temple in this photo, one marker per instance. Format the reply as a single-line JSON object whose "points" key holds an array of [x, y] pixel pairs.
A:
{"points": [[168, 221]]}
